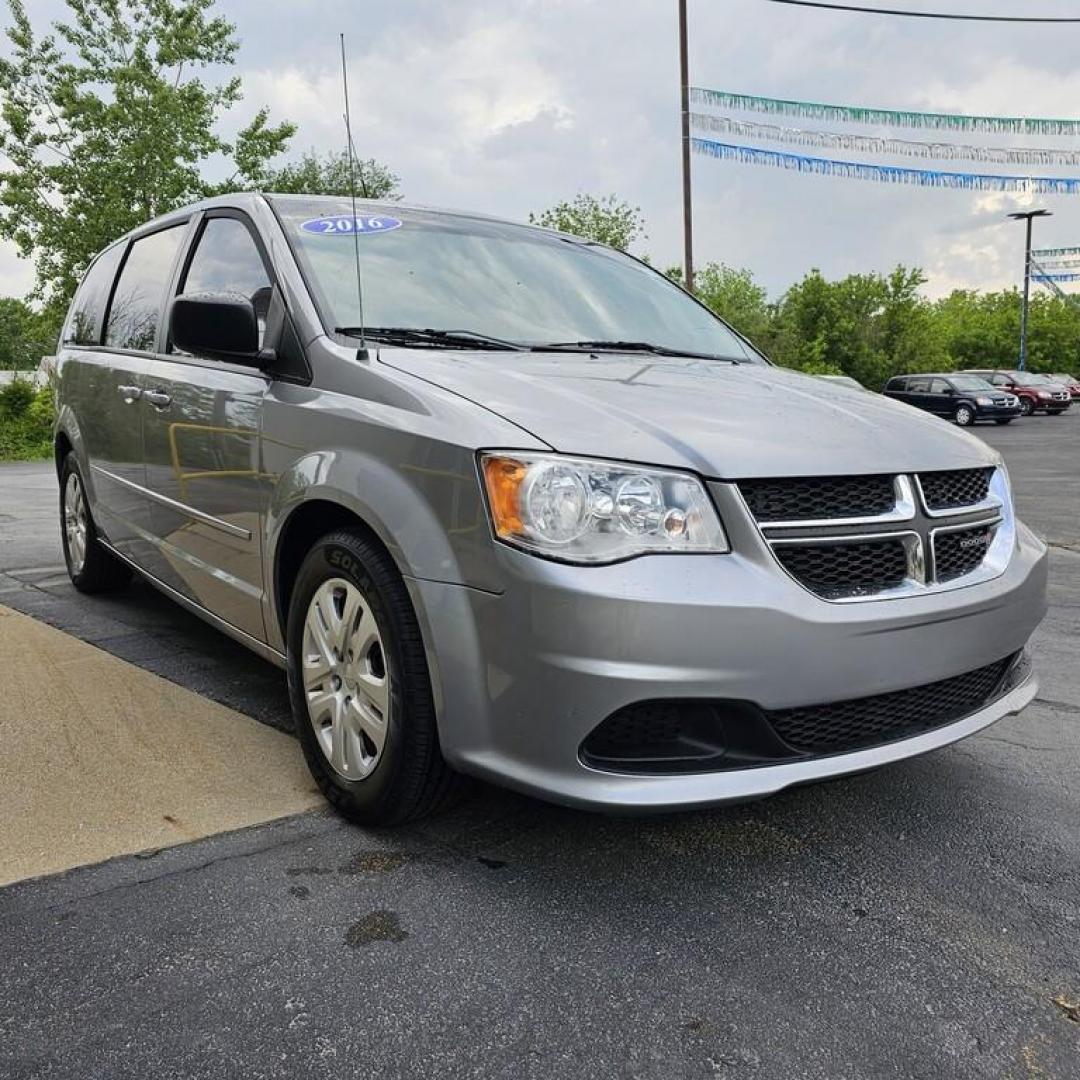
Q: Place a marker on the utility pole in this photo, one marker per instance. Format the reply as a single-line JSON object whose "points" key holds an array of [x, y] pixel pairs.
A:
{"points": [[1027, 216], [688, 212]]}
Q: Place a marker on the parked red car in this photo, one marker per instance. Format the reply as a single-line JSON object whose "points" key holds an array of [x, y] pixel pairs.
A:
{"points": [[1037, 393], [1070, 382]]}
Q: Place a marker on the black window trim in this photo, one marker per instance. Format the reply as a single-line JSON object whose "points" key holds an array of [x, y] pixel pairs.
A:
{"points": [[183, 265], [141, 234], [70, 344]]}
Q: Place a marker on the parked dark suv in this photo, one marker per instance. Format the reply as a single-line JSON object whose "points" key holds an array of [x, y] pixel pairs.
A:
{"points": [[962, 398], [1037, 393]]}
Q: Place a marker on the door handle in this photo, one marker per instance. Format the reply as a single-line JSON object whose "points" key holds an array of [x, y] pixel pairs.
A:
{"points": [[130, 393], [158, 398]]}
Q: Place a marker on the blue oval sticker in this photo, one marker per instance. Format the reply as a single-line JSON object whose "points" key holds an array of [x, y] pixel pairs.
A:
{"points": [[347, 225]]}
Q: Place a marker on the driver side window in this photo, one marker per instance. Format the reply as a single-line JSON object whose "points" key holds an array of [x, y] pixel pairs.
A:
{"points": [[226, 260]]}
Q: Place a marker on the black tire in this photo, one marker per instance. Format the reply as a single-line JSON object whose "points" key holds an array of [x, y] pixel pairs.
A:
{"points": [[410, 778], [964, 416], [101, 571], [1005, 420], [1027, 406]]}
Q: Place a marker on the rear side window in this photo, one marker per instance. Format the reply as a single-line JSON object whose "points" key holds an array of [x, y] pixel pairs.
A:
{"points": [[87, 315], [919, 386], [226, 260], [135, 311]]}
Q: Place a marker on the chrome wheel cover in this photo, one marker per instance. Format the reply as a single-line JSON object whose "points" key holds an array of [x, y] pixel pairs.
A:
{"points": [[346, 679], [75, 523]]}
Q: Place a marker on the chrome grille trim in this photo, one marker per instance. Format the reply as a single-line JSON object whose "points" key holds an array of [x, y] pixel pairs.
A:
{"points": [[903, 510], [995, 513], [992, 502]]}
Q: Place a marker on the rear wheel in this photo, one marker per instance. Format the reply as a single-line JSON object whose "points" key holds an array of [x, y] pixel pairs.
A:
{"points": [[360, 687], [91, 567], [964, 415]]}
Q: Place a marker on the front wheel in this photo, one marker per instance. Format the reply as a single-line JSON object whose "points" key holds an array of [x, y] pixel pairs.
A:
{"points": [[360, 687], [964, 415], [1027, 406], [91, 567]]}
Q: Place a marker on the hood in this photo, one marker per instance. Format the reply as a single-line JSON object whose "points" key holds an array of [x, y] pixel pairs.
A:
{"points": [[721, 420]]}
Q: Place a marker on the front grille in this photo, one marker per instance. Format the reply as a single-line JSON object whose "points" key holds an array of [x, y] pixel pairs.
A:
{"points": [[959, 552], [820, 497], [834, 571], [863, 722], [955, 488]]}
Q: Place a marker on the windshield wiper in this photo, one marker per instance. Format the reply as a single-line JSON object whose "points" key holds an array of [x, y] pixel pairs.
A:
{"points": [[629, 346], [439, 339]]}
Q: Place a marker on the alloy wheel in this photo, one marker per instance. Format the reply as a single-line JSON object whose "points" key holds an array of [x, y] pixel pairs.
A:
{"points": [[346, 678], [75, 523]]}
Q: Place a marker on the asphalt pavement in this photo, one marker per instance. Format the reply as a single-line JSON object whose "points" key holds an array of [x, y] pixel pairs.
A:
{"points": [[920, 921]]}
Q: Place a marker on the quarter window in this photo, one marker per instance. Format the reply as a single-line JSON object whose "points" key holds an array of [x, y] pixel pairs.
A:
{"points": [[226, 260], [83, 326], [135, 311]]}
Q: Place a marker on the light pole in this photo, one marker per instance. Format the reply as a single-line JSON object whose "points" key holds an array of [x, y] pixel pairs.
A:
{"points": [[688, 226], [1026, 215]]}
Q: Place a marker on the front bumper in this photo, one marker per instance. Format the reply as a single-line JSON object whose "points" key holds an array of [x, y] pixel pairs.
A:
{"points": [[522, 677], [998, 412]]}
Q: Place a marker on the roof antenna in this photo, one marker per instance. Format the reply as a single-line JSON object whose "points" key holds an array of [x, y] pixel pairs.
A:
{"points": [[352, 192]]}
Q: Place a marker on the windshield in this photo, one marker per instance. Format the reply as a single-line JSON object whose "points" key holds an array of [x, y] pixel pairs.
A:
{"points": [[423, 270], [970, 382]]}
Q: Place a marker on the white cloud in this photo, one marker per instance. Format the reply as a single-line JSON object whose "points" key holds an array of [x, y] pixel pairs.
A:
{"points": [[509, 105]]}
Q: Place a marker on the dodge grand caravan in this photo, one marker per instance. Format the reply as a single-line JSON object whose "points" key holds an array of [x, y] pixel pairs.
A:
{"points": [[506, 503]]}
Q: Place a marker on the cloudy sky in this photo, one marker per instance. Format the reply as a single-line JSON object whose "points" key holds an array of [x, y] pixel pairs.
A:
{"points": [[507, 106]]}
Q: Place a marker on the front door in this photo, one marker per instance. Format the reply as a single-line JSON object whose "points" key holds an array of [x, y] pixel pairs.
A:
{"points": [[941, 398], [202, 445]]}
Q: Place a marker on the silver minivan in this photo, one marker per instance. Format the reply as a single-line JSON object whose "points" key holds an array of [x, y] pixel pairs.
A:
{"points": [[510, 504]]}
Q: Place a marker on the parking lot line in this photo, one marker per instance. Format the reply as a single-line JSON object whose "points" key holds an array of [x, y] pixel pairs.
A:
{"points": [[103, 758]]}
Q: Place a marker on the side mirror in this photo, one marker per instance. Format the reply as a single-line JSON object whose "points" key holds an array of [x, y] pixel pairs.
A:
{"points": [[222, 326]]}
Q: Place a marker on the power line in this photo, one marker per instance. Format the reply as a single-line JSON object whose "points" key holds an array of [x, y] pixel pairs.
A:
{"points": [[928, 14]]}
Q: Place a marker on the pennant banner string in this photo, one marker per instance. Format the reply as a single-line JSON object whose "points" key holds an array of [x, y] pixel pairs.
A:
{"points": [[868, 144], [888, 174], [849, 114], [1061, 264]]}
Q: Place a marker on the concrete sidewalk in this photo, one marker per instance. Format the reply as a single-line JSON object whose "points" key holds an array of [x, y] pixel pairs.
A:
{"points": [[103, 758]]}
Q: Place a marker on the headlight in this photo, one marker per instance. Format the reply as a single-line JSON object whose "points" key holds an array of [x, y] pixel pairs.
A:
{"points": [[984, 401], [585, 511], [1044, 393]]}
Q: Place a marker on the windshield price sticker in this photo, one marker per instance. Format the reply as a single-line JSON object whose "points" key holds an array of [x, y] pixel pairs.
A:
{"points": [[347, 225]]}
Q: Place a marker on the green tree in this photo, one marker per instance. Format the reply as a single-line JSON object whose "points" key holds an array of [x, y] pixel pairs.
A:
{"points": [[738, 299], [25, 335], [313, 174], [607, 220], [106, 124]]}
